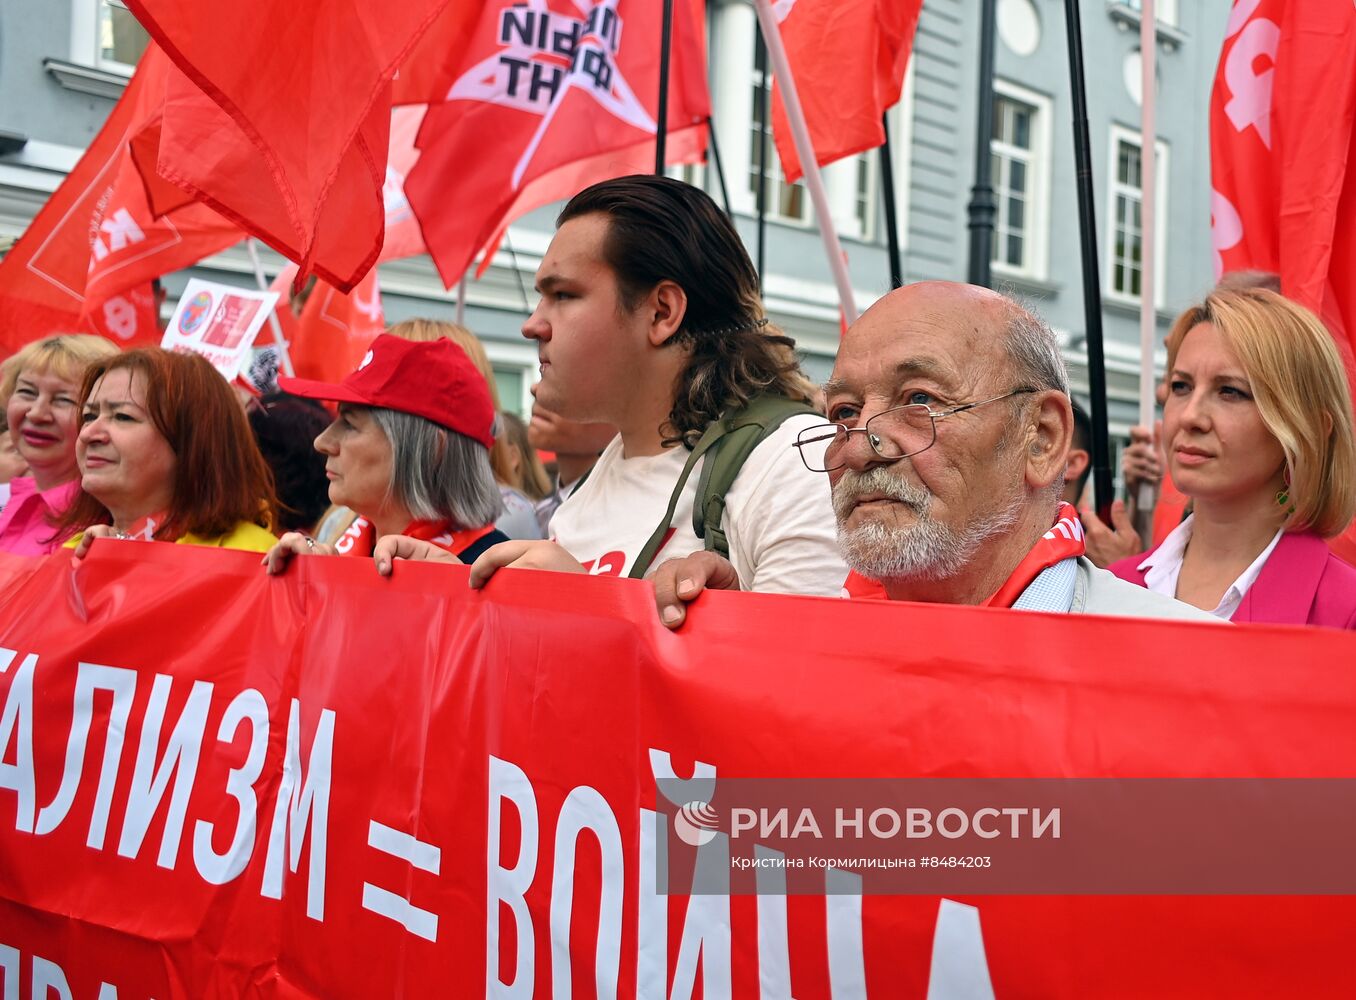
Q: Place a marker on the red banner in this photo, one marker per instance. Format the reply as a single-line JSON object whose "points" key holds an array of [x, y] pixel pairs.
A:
{"points": [[214, 783]]}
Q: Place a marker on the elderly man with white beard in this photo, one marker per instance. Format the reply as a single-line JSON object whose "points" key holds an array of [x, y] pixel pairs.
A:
{"points": [[949, 426]]}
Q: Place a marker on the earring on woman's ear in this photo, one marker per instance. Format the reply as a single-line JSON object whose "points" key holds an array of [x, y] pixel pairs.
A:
{"points": [[1283, 494]]}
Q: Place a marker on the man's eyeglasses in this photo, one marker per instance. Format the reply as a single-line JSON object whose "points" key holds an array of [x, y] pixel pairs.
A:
{"points": [[893, 434]]}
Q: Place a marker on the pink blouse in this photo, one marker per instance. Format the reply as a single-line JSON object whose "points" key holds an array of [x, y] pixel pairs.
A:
{"points": [[25, 528]]}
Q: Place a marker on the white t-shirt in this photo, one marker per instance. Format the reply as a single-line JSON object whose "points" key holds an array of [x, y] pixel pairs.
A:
{"points": [[778, 515]]}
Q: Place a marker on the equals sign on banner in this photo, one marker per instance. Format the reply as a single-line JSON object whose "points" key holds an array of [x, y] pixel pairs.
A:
{"points": [[388, 904]]}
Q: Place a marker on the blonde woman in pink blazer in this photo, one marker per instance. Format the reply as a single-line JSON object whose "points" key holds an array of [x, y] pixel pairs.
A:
{"points": [[1258, 431]]}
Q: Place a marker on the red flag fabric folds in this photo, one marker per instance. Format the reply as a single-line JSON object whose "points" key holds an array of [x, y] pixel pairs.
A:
{"points": [[551, 96], [279, 117], [1281, 139], [328, 340], [848, 58], [97, 237]]}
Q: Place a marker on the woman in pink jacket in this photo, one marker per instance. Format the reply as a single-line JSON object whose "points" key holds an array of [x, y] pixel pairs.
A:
{"points": [[41, 391], [1258, 432]]}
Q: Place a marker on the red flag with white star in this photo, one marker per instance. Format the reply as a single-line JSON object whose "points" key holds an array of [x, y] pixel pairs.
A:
{"points": [[568, 91], [89, 255]]}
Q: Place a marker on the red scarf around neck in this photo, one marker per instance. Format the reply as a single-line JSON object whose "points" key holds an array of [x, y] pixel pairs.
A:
{"points": [[1063, 541], [361, 536]]}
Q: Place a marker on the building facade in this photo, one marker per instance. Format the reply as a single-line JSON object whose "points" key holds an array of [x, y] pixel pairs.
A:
{"points": [[64, 62]]}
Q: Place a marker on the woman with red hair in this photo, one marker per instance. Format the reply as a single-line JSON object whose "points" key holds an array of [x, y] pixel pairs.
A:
{"points": [[166, 454]]}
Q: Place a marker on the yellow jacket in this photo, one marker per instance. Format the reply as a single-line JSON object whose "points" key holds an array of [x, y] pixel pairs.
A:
{"points": [[245, 536]]}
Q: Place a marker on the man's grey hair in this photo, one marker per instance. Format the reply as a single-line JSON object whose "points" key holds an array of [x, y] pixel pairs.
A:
{"points": [[1033, 349], [438, 474]]}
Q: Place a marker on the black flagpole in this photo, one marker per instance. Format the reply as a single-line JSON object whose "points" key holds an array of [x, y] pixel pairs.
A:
{"points": [[720, 170], [1092, 289], [662, 119], [760, 64], [891, 221], [981, 207]]}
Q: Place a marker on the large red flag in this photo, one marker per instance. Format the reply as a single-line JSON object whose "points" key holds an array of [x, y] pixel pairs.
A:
{"points": [[848, 58], [567, 92], [87, 259], [279, 117], [328, 339], [1281, 137]]}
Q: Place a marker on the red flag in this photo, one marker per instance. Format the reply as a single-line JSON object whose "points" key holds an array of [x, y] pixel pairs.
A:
{"points": [[96, 237], [328, 340], [278, 118], [403, 237], [848, 59], [1281, 136], [568, 92]]}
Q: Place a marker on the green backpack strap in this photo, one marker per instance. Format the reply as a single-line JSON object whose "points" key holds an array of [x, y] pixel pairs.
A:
{"points": [[714, 432], [727, 444]]}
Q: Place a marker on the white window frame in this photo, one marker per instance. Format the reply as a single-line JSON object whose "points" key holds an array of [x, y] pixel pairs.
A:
{"points": [[86, 20], [1165, 11], [1037, 266], [776, 179], [1119, 134], [515, 357]]}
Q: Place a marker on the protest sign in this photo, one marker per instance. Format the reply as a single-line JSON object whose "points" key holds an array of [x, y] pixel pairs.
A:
{"points": [[219, 322], [327, 784]]}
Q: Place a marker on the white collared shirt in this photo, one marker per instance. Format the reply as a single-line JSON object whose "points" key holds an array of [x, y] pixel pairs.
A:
{"points": [[1164, 565]]}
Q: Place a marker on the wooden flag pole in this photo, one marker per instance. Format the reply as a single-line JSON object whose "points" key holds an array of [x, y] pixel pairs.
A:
{"points": [[764, 112], [800, 134], [1148, 319]]}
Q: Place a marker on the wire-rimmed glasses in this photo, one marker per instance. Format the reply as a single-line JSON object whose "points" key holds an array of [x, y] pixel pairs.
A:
{"points": [[899, 432]]}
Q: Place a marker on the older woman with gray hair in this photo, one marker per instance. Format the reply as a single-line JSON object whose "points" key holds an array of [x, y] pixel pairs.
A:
{"points": [[409, 451]]}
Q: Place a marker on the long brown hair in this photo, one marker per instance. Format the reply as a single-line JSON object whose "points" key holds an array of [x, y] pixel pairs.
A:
{"points": [[662, 229], [220, 478]]}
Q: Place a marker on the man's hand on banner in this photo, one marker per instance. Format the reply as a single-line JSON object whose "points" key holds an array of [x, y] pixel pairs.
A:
{"points": [[522, 555], [294, 543], [90, 534], [389, 548], [678, 581]]}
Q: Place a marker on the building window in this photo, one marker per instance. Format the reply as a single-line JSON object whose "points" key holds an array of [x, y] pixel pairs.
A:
{"points": [[784, 201], [106, 36], [121, 39], [688, 173], [864, 193], [1126, 220], [1165, 11], [1020, 171]]}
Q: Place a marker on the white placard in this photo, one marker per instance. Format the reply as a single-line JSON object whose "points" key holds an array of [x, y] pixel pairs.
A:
{"points": [[219, 322]]}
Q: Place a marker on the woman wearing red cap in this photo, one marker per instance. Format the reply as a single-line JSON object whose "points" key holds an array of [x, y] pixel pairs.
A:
{"points": [[166, 454], [409, 451]]}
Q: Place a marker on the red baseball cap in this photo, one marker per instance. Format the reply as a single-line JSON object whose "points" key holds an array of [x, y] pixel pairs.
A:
{"points": [[431, 379]]}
